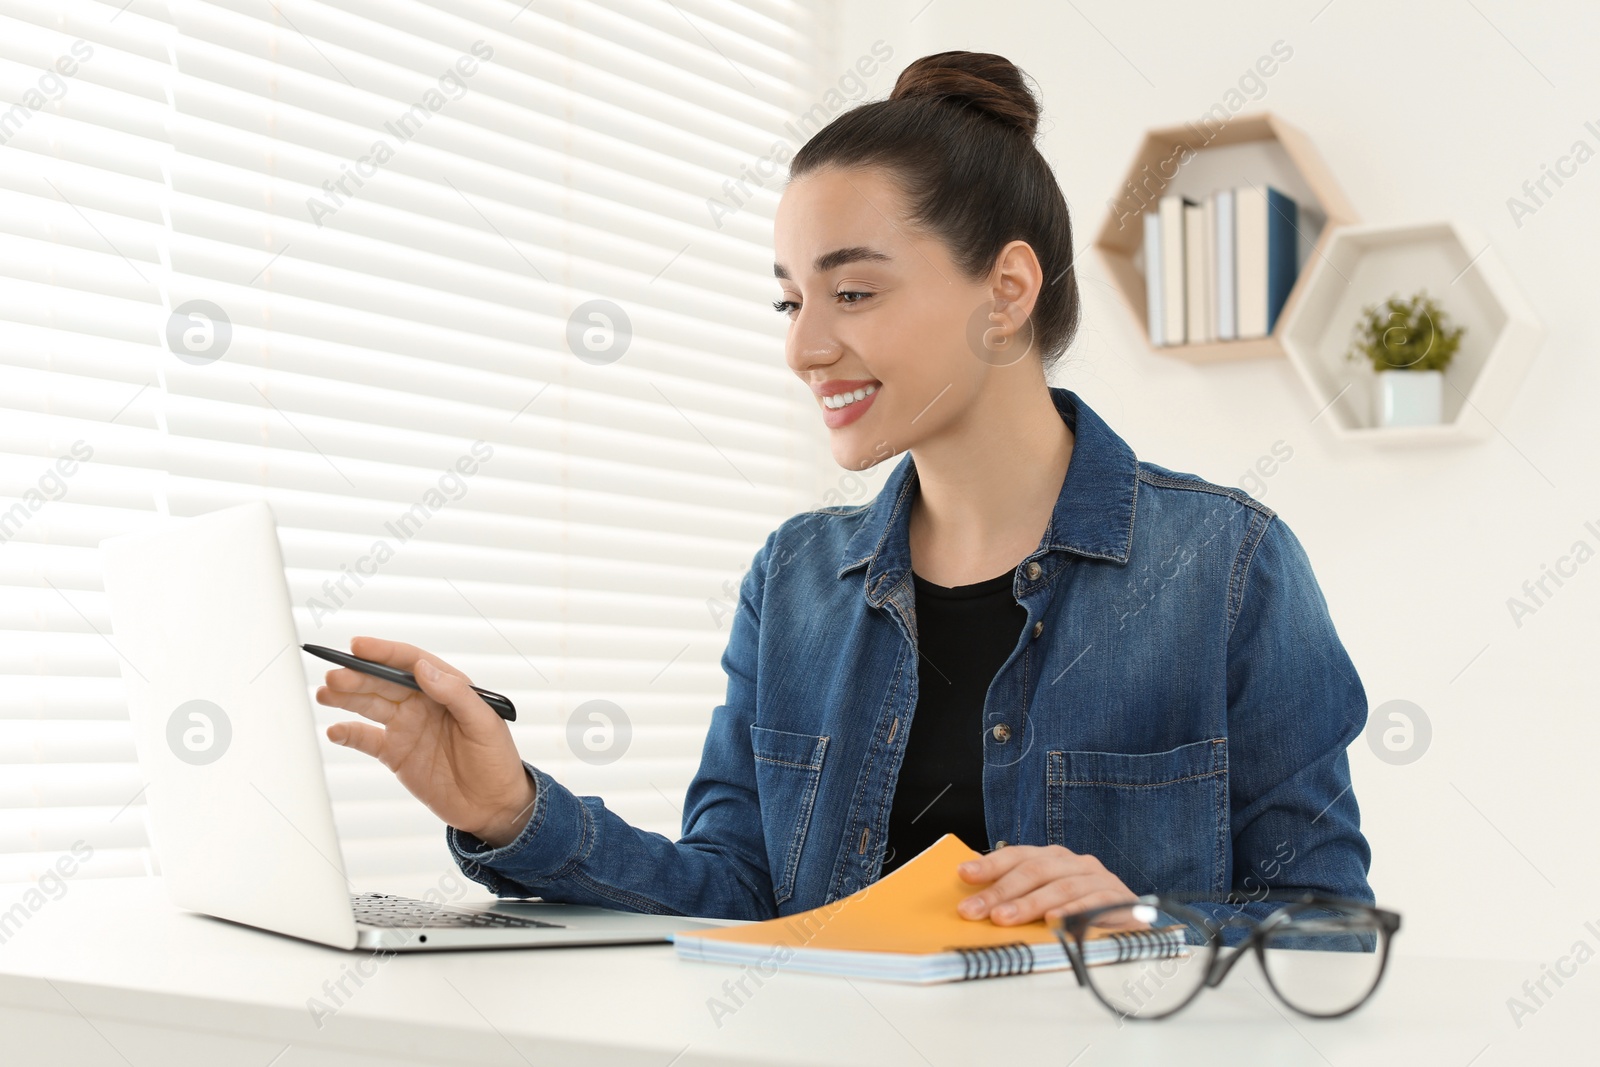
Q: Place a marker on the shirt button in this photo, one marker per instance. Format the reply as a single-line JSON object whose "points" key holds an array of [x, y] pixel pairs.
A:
{"points": [[1001, 732], [1038, 628], [1033, 571]]}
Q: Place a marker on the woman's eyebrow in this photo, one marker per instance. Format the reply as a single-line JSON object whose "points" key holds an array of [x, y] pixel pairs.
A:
{"points": [[837, 258]]}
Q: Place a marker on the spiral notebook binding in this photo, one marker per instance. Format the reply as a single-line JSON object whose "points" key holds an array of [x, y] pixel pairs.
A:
{"points": [[1146, 944], [994, 961]]}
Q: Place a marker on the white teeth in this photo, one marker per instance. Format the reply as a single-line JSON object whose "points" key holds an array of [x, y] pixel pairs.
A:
{"points": [[843, 400]]}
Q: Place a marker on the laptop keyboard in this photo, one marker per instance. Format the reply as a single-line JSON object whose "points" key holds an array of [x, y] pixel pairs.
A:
{"points": [[383, 910]]}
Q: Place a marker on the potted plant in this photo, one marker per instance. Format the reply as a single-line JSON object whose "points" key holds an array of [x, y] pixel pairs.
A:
{"points": [[1409, 344]]}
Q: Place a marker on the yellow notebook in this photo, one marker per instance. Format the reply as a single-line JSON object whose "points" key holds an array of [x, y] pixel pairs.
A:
{"points": [[904, 927]]}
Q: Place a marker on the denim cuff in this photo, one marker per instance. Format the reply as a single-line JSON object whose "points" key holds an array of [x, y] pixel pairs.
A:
{"points": [[547, 847]]}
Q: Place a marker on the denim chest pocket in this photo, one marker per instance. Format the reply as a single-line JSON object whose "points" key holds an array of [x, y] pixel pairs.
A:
{"points": [[1158, 821], [788, 769]]}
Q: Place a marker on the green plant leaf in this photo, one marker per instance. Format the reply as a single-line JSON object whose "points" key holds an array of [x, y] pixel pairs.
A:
{"points": [[1399, 334]]}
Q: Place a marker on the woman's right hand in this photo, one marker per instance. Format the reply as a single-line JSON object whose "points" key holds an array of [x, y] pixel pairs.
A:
{"points": [[449, 748]]}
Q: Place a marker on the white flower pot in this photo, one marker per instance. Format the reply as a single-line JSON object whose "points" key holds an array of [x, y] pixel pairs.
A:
{"points": [[1408, 398]]}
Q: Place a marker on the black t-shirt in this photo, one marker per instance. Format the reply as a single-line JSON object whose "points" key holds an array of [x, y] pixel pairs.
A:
{"points": [[964, 634]]}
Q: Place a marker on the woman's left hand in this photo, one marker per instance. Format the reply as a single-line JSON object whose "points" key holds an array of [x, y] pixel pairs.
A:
{"points": [[1034, 881]]}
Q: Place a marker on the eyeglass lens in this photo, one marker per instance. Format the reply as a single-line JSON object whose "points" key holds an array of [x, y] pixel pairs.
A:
{"points": [[1324, 961], [1144, 962]]}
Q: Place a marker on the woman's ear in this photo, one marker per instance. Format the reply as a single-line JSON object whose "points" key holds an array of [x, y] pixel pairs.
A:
{"points": [[1018, 281], [1002, 330]]}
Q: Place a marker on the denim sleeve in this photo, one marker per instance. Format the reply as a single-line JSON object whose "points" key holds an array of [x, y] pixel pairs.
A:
{"points": [[575, 850], [1295, 703]]}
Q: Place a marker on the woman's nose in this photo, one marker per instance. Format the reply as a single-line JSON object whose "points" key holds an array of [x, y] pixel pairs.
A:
{"points": [[811, 343]]}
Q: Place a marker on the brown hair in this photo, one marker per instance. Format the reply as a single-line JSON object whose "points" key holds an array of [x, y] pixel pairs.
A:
{"points": [[957, 134]]}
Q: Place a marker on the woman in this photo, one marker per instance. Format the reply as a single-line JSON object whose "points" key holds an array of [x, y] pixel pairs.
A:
{"points": [[1107, 676]]}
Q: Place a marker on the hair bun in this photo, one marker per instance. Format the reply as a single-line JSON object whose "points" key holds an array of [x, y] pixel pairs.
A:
{"points": [[981, 80]]}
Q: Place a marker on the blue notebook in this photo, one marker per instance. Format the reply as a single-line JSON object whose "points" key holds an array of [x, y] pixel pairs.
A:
{"points": [[1282, 244]]}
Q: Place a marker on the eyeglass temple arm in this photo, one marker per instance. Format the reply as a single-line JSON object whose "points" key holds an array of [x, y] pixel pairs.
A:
{"points": [[1079, 968]]}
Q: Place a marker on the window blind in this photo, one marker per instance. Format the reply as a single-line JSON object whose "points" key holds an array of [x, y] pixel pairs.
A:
{"points": [[441, 283]]}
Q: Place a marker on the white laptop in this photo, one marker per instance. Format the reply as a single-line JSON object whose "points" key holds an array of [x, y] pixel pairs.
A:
{"points": [[229, 748]]}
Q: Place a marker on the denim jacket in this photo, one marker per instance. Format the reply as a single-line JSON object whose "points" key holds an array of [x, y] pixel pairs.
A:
{"points": [[1178, 704]]}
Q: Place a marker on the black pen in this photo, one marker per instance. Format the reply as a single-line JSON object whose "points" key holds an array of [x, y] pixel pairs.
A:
{"points": [[503, 707]]}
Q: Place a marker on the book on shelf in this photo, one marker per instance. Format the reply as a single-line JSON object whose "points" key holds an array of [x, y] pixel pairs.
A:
{"points": [[1196, 272], [905, 928], [1268, 256], [1173, 313], [1227, 322], [1153, 302], [1221, 268]]}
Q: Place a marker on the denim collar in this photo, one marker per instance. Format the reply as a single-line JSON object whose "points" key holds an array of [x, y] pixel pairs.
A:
{"points": [[1093, 516]]}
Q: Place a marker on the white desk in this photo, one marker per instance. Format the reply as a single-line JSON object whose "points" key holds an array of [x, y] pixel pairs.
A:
{"points": [[113, 974]]}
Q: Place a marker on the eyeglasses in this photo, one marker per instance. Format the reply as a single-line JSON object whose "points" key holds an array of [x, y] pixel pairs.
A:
{"points": [[1146, 959]]}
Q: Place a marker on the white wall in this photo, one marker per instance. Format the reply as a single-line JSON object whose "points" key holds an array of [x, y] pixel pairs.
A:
{"points": [[1422, 111]]}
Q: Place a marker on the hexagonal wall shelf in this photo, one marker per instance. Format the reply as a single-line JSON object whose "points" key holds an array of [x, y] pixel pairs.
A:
{"points": [[1364, 265], [1259, 149]]}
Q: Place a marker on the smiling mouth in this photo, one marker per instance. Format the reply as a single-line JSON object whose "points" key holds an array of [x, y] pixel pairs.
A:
{"points": [[844, 400]]}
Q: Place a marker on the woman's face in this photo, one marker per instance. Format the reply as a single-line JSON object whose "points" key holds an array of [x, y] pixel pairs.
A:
{"points": [[873, 304]]}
